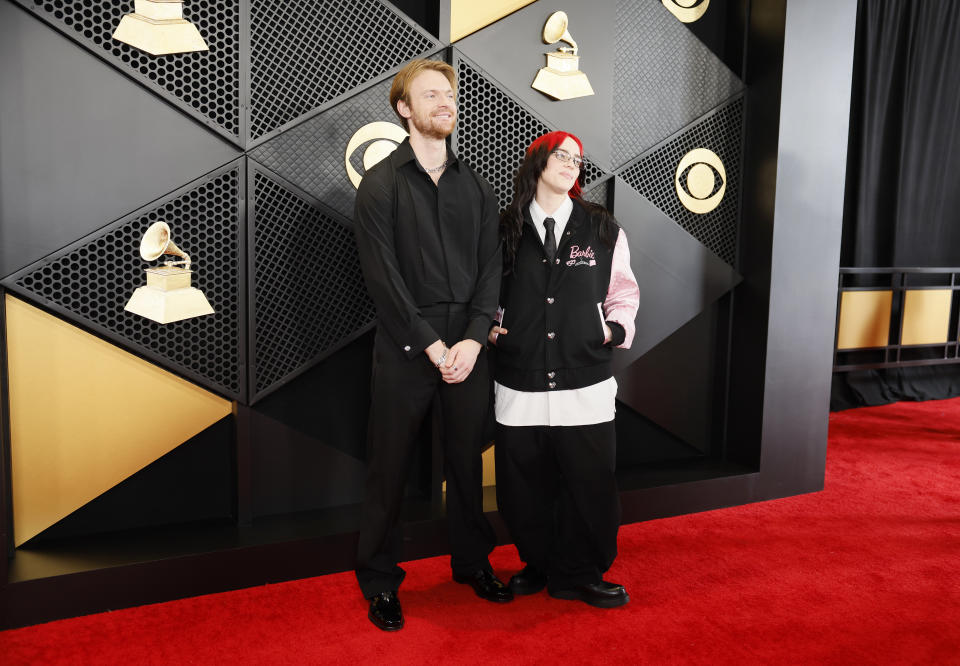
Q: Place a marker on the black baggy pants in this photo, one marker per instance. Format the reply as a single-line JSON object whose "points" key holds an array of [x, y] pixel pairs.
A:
{"points": [[403, 393], [557, 493]]}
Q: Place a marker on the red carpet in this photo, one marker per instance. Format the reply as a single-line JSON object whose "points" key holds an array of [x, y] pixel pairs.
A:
{"points": [[864, 572]]}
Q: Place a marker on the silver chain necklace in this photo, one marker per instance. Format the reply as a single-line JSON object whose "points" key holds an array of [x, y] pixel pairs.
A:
{"points": [[435, 169]]}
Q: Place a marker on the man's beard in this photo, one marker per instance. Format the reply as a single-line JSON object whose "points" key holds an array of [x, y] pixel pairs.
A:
{"points": [[432, 130]]}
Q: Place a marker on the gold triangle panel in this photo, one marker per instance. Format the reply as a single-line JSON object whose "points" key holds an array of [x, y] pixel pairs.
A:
{"points": [[468, 16], [85, 415]]}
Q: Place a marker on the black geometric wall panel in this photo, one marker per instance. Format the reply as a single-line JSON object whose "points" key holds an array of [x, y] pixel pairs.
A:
{"points": [[80, 143], [310, 155], [673, 384], [494, 130], [285, 473], [307, 290], [678, 276], [91, 281], [652, 175], [303, 54], [664, 78], [204, 83]]}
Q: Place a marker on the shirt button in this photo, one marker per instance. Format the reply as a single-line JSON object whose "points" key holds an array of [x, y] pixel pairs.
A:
{"points": [[551, 335], [406, 348], [550, 300], [552, 385], [551, 375]]}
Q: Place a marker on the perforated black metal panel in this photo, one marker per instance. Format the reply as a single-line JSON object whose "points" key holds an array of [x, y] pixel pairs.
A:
{"points": [[207, 82], [308, 291], [599, 193], [665, 78], [91, 281], [305, 54], [653, 174], [494, 130]]}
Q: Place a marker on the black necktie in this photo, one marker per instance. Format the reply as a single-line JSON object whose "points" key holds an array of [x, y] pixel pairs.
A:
{"points": [[550, 242]]}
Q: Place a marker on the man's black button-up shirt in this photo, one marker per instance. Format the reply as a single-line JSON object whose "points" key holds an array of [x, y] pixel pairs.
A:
{"points": [[423, 245]]}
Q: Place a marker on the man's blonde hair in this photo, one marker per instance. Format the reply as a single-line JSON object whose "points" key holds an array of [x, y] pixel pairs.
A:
{"points": [[401, 82]]}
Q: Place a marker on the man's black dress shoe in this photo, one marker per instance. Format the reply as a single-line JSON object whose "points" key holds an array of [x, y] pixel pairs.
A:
{"points": [[601, 595], [385, 611], [529, 581], [487, 586]]}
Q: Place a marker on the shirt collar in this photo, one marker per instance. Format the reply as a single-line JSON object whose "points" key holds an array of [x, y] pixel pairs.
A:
{"points": [[404, 153], [560, 216]]}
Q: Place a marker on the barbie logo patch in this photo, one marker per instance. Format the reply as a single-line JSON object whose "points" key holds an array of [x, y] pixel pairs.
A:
{"points": [[580, 257]]}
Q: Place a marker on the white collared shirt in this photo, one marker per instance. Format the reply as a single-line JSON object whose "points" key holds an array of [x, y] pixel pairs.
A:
{"points": [[560, 216]]}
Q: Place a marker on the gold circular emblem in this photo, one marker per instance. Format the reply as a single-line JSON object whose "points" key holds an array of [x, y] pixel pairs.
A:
{"points": [[687, 11], [385, 137], [701, 180]]}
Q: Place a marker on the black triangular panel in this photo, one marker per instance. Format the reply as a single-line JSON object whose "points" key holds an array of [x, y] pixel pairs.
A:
{"points": [[673, 384], [678, 277], [664, 78], [653, 176], [307, 292], [304, 54], [190, 483], [329, 402], [91, 281], [206, 84], [82, 145], [285, 473], [494, 130], [311, 154]]}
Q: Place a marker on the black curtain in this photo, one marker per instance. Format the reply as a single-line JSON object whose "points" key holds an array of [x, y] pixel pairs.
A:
{"points": [[902, 206]]}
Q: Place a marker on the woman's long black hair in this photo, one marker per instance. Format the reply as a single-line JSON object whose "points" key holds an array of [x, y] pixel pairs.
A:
{"points": [[525, 189]]}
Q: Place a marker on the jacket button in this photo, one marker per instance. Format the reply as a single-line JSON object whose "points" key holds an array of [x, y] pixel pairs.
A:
{"points": [[543, 260], [551, 335], [551, 375], [550, 300], [552, 385], [406, 348], [558, 261]]}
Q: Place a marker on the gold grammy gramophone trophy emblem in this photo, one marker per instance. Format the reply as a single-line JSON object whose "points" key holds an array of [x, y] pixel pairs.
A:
{"points": [[561, 78], [158, 27], [167, 296]]}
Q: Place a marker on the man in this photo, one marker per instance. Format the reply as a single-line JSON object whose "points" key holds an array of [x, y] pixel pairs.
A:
{"points": [[426, 228]]}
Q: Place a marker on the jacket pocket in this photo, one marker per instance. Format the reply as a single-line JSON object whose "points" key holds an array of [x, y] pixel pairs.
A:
{"points": [[501, 339], [601, 322]]}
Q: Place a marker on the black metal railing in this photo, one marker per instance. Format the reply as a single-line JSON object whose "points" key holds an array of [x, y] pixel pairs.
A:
{"points": [[899, 281]]}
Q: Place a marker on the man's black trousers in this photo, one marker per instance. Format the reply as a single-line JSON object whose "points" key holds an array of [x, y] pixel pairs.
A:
{"points": [[403, 391], [557, 493]]}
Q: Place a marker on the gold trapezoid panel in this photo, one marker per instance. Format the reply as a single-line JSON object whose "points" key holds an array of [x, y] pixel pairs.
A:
{"points": [[864, 319], [85, 415], [926, 316]]}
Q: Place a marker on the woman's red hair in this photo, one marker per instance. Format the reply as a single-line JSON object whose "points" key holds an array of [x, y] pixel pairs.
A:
{"points": [[552, 141]]}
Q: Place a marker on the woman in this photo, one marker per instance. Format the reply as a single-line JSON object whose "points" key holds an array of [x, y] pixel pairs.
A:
{"points": [[568, 298]]}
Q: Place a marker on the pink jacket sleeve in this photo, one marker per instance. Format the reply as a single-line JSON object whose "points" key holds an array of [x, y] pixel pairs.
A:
{"points": [[623, 294]]}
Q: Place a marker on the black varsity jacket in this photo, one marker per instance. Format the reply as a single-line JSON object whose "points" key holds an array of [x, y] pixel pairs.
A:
{"points": [[553, 312]]}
